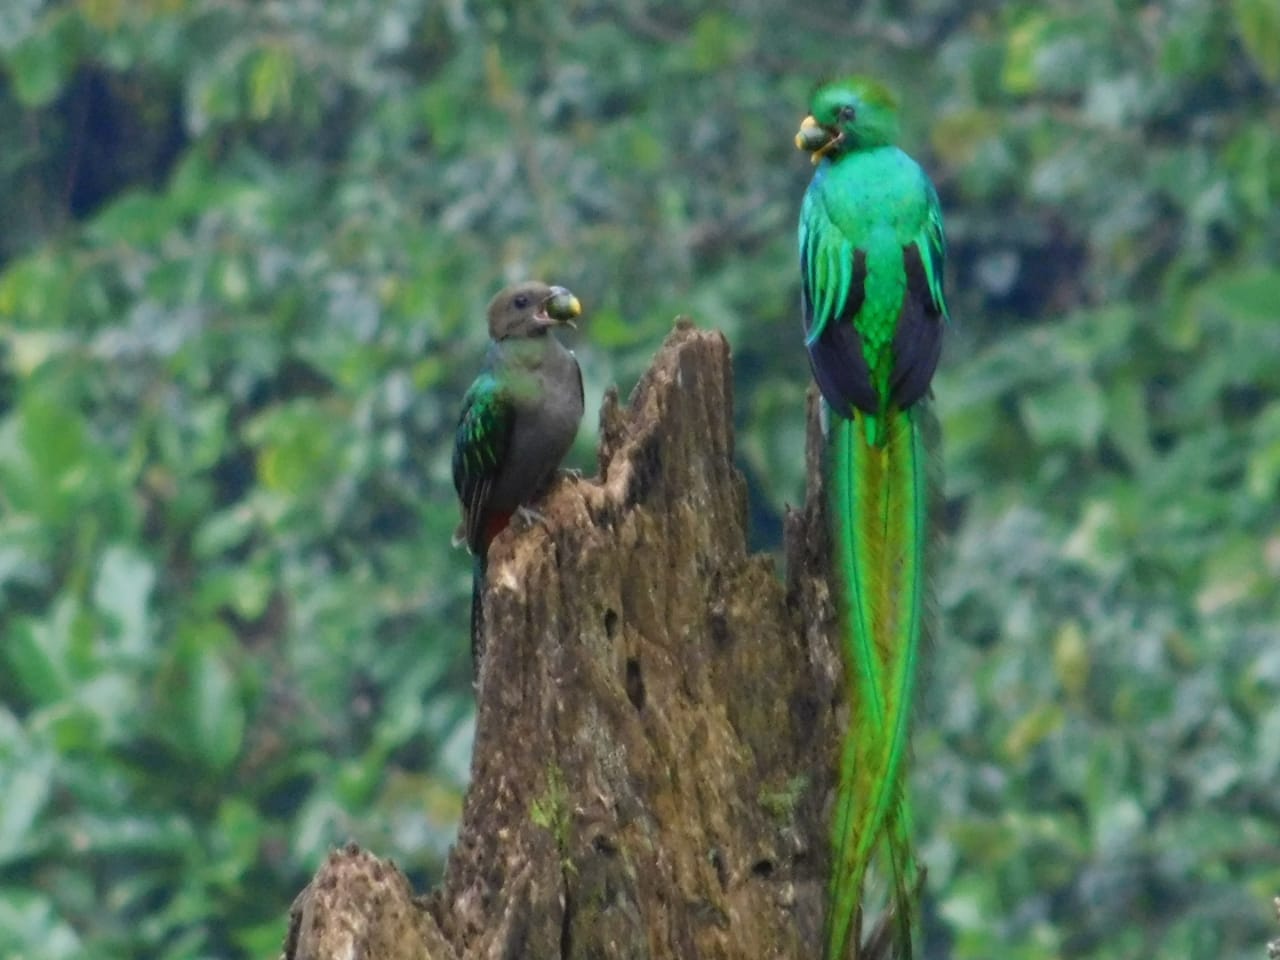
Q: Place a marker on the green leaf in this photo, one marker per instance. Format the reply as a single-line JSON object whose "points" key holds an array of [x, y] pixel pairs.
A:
{"points": [[205, 703], [30, 926], [123, 593], [168, 834], [1247, 297], [297, 443], [137, 217], [46, 652], [101, 711], [718, 39], [1069, 411], [18, 19], [259, 940], [38, 666], [36, 292], [243, 589], [41, 63], [56, 443], [224, 531], [217, 713], [1127, 423], [272, 76], [1023, 43], [1097, 541], [1263, 471], [1258, 26], [26, 783], [236, 837]]}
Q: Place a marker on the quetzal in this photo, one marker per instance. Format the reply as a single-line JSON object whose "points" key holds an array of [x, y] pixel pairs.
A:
{"points": [[871, 264], [518, 420]]}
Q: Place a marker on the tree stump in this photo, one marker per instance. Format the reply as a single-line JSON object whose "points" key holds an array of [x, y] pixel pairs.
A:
{"points": [[657, 718]]}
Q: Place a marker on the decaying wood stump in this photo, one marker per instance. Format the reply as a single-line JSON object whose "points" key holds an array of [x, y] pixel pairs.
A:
{"points": [[656, 718]]}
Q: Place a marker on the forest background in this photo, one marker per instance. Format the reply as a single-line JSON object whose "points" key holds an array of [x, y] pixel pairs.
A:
{"points": [[244, 255]]}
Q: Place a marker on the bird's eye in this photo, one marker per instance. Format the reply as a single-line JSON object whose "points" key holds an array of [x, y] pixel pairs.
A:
{"points": [[846, 114], [521, 301]]}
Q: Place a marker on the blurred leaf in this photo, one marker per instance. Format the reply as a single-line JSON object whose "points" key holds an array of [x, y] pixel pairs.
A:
{"points": [[1263, 471], [1127, 423], [1117, 825], [123, 593], [40, 667], [297, 442], [1069, 411], [1231, 573], [100, 712], [106, 14], [42, 61], [1258, 26], [25, 783], [225, 531], [271, 80], [1023, 44], [1031, 729], [137, 218], [239, 831], [1071, 658], [55, 440], [200, 690], [34, 291], [217, 715], [30, 926], [1247, 297], [717, 40]]}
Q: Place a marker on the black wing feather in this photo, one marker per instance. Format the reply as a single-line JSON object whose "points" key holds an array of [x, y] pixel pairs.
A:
{"points": [[836, 359], [917, 342]]}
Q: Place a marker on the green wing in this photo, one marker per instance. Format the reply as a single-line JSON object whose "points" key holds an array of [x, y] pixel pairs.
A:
{"points": [[480, 444], [848, 320], [917, 340], [932, 242]]}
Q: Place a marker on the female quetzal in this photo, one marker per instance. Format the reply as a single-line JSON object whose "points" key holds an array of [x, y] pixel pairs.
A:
{"points": [[518, 420], [871, 262]]}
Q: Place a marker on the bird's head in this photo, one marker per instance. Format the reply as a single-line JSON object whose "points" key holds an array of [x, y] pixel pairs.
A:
{"points": [[851, 114], [529, 309]]}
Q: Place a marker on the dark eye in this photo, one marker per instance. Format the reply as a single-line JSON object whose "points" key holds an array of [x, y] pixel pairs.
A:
{"points": [[846, 114], [521, 301]]}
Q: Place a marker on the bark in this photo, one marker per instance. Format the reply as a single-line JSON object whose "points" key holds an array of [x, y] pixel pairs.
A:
{"points": [[657, 716]]}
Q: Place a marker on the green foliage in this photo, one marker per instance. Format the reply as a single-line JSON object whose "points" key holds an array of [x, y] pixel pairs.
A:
{"points": [[551, 812], [245, 255]]}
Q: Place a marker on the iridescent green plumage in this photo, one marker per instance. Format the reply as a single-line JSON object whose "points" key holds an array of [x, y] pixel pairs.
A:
{"points": [[871, 261], [518, 420]]}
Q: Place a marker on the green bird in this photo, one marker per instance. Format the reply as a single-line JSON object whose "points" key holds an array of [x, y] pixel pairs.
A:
{"points": [[871, 263], [518, 420]]}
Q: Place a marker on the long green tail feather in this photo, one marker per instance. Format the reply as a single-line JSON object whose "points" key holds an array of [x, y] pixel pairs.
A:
{"points": [[879, 501]]}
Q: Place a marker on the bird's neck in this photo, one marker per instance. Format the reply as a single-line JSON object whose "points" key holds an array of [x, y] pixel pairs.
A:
{"points": [[530, 352]]}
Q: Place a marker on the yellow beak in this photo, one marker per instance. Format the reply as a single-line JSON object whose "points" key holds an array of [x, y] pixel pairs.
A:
{"points": [[562, 306], [816, 138]]}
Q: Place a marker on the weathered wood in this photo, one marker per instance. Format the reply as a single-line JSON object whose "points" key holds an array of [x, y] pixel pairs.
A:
{"points": [[656, 716], [359, 906]]}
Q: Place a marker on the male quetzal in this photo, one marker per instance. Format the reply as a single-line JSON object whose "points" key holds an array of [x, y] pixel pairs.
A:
{"points": [[518, 420], [871, 263]]}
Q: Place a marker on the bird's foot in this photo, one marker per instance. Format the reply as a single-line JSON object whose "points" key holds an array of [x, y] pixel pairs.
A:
{"points": [[530, 516], [571, 473]]}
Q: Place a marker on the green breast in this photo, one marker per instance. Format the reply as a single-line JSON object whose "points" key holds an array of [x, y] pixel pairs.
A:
{"points": [[873, 201]]}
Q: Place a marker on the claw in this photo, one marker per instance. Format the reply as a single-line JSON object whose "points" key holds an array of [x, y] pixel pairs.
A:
{"points": [[530, 516]]}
